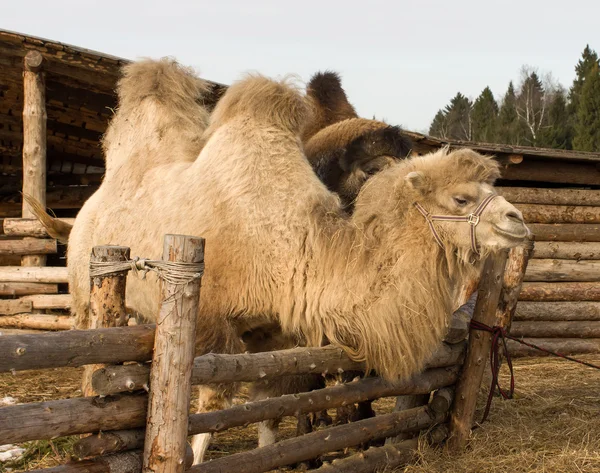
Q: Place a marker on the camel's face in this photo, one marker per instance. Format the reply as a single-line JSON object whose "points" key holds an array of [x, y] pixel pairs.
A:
{"points": [[354, 178], [498, 225]]}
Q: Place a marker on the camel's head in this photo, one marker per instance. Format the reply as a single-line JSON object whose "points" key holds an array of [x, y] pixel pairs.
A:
{"points": [[366, 156], [453, 192]]}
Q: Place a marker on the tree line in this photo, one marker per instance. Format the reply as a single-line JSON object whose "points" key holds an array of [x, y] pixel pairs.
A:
{"points": [[537, 112]]}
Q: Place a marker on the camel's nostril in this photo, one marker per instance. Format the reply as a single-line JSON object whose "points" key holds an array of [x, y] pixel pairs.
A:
{"points": [[514, 215]]}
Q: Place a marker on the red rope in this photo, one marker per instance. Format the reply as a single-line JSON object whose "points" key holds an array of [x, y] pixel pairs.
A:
{"points": [[499, 333]]}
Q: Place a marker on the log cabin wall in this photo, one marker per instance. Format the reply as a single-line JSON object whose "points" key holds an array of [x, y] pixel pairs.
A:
{"points": [[558, 192]]}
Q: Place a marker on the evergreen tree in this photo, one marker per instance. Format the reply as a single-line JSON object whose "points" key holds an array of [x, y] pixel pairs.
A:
{"points": [[587, 128], [509, 131], [485, 117], [557, 132], [438, 126], [531, 105], [458, 118], [589, 58]]}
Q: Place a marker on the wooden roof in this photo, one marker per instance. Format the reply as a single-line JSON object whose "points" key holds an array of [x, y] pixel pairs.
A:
{"points": [[80, 97]]}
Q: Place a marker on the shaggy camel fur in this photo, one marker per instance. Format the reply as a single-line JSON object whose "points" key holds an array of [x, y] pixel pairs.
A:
{"points": [[279, 248]]}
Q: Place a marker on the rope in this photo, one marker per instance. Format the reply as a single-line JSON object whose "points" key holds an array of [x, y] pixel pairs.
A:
{"points": [[172, 272], [499, 333]]}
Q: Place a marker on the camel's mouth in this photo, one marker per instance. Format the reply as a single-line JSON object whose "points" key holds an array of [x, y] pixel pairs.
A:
{"points": [[516, 232]]}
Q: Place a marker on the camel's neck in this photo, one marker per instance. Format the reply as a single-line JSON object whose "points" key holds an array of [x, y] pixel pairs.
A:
{"points": [[382, 287]]}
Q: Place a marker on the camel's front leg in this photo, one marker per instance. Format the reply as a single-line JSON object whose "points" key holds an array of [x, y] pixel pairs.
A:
{"points": [[210, 398]]}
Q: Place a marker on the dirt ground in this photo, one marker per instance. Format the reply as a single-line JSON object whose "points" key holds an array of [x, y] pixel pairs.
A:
{"points": [[552, 425]]}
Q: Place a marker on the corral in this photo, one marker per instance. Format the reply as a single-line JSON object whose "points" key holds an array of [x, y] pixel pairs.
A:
{"points": [[569, 216]]}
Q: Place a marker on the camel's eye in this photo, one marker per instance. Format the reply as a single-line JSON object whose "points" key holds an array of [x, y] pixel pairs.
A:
{"points": [[460, 201]]}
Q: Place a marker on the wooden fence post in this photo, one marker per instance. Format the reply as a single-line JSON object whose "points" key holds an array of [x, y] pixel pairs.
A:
{"points": [[107, 301], [174, 349], [467, 387], [34, 140]]}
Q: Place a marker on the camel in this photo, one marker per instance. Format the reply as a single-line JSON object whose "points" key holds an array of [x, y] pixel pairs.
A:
{"points": [[345, 151], [280, 248]]}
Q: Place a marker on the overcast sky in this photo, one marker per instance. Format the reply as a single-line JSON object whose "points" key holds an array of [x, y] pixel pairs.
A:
{"points": [[400, 61]]}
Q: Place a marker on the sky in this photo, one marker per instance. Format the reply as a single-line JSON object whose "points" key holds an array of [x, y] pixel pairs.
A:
{"points": [[400, 61]]}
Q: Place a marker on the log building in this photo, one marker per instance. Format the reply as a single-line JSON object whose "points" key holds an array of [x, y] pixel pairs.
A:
{"points": [[56, 101]]}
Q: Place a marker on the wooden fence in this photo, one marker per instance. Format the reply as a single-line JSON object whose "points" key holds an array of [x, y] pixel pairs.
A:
{"points": [[142, 409]]}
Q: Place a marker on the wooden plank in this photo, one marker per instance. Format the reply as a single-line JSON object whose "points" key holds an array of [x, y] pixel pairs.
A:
{"points": [[51, 419], [215, 368], [537, 195], [109, 442], [556, 329], [34, 140], [565, 346], [534, 213], [27, 247], [37, 321], [26, 288], [107, 301], [560, 291], [51, 301], [556, 311], [467, 388], [76, 348], [28, 227], [544, 170], [565, 231], [18, 306], [33, 274], [563, 270], [174, 349], [567, 250], [316, 443]]}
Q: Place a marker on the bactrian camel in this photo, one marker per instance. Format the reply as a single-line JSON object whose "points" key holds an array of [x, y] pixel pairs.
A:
{"points": [[280, 249]]}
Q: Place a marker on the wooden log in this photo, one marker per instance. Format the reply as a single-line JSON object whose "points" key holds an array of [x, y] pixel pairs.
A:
{"points": [[174, 349], [32, 246], [567, 250], [33, 274], [316, 443], [565, 346], [557, 311], [76, 348], [28, 227], [565, 231], [109, 442], [535, 213], [17, 306], [327, 398], [34, 139], [53, 301], [107, 301], [404, 403], [127, 462], [215, 368], [563, 270], [560, 291], [458, 328], [119, 379], [537, 195], [47, 420], [26, 288], [546, 170], [512, 281], [461, 418], [37, 321], [556, 329], [442, 400], [385, 458]]}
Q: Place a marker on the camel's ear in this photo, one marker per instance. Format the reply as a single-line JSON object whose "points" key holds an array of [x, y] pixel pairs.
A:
{"points": [[417, 180]]}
